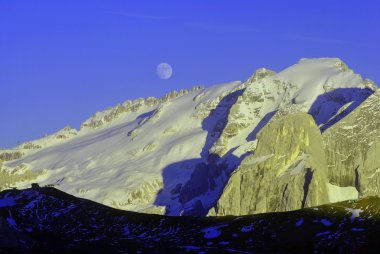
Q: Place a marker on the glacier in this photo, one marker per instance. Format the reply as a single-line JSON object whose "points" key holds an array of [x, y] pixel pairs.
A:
{"points": [[175, 155]]}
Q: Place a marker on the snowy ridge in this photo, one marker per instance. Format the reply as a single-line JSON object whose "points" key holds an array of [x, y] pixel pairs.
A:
{"points": [[146, 154], [297, 88], [120, 164]]}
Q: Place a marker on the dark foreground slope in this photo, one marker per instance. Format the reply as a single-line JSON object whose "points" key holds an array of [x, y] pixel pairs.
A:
{"points": [[46, 220]]}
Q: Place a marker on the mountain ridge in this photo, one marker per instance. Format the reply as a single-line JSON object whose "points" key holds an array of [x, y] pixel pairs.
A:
{"points": [[44, 219], [175, 155]]}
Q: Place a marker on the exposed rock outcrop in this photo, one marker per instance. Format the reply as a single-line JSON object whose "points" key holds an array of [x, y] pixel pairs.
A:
{"points": [[132, 106], [353, 146], [10, 155], [21, 173], [286, 172]]}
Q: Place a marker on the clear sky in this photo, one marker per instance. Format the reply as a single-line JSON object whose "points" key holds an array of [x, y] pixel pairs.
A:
{"points": [[61, 61]]}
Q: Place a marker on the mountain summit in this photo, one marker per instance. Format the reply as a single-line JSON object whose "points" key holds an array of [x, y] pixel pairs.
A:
{"points": [[306, 136]]}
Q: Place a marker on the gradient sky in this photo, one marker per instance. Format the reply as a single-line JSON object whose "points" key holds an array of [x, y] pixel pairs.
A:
{"points": [[61, 61]]}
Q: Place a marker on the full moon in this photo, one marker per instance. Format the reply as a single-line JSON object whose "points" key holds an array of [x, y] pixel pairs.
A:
{"points": [[164, 71]]}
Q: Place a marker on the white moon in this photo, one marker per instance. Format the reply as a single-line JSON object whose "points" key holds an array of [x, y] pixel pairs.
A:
{"points": [[164, 71]]}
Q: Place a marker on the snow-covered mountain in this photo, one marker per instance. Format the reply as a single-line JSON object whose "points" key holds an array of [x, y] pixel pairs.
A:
{"points": [[276, 142]]}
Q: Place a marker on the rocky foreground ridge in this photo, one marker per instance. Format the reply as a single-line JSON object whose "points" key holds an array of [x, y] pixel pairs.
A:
{"points": [[306, 136], [46, 220]]}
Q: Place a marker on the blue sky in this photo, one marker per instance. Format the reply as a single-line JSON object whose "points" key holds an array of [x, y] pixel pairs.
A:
{"points": [[61, 61]]}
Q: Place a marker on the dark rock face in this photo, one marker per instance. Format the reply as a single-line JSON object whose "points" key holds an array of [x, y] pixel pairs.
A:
{"points": [[202, 180], [46, 220]]}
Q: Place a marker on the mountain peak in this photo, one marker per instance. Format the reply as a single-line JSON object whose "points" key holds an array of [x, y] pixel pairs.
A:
{"points": [[175, 154], [260, 73]]}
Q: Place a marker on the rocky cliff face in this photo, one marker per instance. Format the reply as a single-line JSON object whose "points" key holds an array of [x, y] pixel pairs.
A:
{"points": [[305, 136], [352, 148], [296, 166], [286, 176]]}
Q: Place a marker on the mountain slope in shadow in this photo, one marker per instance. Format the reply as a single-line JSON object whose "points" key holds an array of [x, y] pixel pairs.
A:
{"points": [[329, 108], [46, 220]]}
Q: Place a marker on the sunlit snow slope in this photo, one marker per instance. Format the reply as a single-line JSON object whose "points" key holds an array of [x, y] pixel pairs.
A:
{"points": [[175, 154]]}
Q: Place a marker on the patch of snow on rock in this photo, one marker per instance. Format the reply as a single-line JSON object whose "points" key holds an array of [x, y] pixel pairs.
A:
{"points": [[355, 213], [213, 232]]}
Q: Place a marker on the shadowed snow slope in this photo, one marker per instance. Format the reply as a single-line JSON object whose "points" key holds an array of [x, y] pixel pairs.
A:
{"points": [[175, 154]]}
